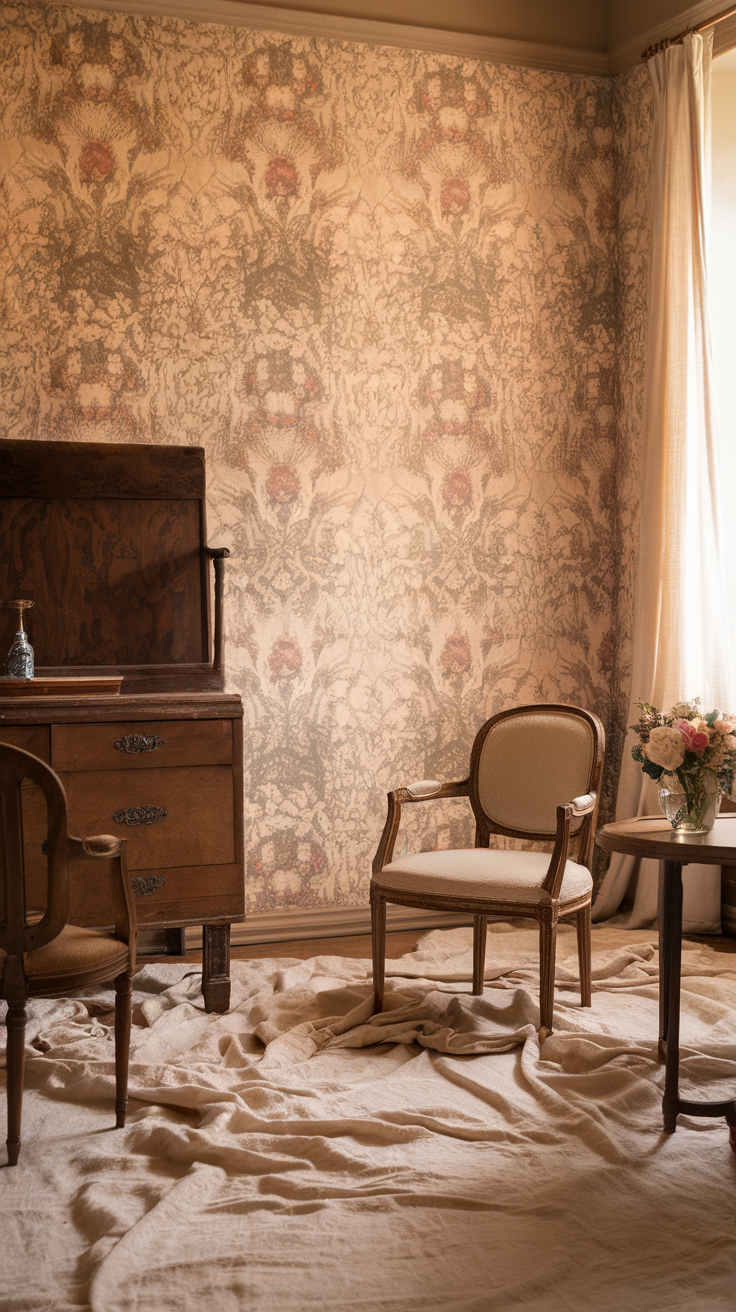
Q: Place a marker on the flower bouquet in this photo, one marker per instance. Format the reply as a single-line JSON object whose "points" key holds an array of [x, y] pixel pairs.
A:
{"points": [[693, 758]]}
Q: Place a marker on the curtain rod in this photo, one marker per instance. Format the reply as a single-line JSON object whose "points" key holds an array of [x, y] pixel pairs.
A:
{"points": [[678, 40]]}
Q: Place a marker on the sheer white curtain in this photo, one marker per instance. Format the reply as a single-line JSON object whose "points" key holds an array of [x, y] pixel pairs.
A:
{"points": [[681, 643]]}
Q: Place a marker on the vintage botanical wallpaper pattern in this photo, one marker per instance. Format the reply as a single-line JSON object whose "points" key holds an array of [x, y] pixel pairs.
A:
{"points": [[633, 110], [380, 288]]}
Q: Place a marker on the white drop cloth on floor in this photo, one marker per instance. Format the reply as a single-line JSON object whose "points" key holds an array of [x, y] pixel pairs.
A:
{"points": [[299, 1153]]}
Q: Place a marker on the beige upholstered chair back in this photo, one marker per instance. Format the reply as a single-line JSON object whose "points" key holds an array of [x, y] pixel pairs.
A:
{"points": [[529, 761]]}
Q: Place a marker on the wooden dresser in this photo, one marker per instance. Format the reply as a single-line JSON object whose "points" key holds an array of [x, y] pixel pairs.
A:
{"points": [[110, 544]]}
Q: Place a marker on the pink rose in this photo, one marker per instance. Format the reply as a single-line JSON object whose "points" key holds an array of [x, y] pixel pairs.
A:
{"points": [[696, 740]]}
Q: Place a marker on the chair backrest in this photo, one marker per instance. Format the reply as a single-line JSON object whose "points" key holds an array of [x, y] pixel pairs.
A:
{"points": [[16, 935], [528, 761]]}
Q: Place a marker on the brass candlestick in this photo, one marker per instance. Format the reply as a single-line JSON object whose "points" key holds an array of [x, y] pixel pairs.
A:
{"points": [[19, 664]]}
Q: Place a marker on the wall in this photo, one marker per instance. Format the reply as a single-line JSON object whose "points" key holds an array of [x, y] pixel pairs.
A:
{"points": [[378, 287], [633, 133]]}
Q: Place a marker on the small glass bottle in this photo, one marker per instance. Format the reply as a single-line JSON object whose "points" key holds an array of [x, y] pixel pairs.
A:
{"points": [[19, 663]]}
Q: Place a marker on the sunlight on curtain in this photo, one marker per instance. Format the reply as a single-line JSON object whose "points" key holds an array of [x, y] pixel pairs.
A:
{"points": [[681, 631], [723, 286]]}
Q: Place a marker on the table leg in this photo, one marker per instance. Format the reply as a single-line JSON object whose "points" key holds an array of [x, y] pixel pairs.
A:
{"points": [[216, 967], [670, 947], [664, 983]]}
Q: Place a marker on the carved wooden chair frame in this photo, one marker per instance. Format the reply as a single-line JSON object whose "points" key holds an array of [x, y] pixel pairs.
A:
{"points": [[547, 914], [21, 935]]}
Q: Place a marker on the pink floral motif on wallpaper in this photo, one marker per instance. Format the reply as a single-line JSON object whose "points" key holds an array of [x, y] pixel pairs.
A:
{"points": [[97, 65], [96, 162], [457, 491], [455, 658], [454, 196], [285, 660], [282, 484], [281, 177], [285, 421], [286, 869], [283, 86]]}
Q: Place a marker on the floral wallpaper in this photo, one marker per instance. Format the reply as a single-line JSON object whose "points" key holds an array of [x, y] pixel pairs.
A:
{"points": [[380, 288], [633, 126]]}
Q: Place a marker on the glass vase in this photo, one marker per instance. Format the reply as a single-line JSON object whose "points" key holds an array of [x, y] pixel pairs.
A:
{"points": [[693, 811]]}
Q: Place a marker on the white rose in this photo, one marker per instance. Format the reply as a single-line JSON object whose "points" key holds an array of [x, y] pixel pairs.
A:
{"points": [[666, 747]]}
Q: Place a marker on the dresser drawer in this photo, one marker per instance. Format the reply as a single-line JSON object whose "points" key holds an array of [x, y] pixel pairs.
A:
{"points": [[169, 817], [141, 745], [33, 738], [187, 894]]}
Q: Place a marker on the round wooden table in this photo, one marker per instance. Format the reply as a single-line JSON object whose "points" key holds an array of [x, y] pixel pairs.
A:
{"points": [[654, 837]]}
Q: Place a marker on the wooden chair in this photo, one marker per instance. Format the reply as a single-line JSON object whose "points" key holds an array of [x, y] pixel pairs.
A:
{"points": [[46, 957], [534, 774]]}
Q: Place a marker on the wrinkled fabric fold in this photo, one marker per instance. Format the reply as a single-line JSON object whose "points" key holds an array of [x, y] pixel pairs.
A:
{"points": [[301, 1152]]}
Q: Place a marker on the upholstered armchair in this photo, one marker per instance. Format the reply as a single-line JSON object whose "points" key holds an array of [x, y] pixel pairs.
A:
{"points": [[534, 774], [43, 956]]}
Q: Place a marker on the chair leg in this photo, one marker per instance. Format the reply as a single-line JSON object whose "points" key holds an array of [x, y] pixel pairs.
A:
{"points": [[123, 991], [378, 933], [547, 946], [582, 921], [16, 1058], [479, 952]]}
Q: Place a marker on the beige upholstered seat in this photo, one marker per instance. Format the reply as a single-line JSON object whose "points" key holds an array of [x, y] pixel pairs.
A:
{"points": [[534, 774], [469, 872], [74, 949], [43, 955]]}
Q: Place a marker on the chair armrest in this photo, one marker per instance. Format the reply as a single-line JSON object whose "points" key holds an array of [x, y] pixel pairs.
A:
{"points": [[429, 790], [426, 790], [585, 806], [100, 845], [103, 847]]}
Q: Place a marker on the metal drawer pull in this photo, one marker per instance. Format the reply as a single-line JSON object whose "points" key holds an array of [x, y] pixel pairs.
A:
{"points": [[139, 742], [140, 815], [145, 885]]}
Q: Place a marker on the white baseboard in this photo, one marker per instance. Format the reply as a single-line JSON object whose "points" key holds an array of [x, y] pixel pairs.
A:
{"points": [[332, 922]]}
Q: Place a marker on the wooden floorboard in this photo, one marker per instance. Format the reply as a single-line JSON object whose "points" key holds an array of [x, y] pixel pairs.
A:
{"points": [[359, 945], [353, 945]]}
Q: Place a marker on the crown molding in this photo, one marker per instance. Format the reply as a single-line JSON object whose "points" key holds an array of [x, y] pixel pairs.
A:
{"points": [[628, 55], [724, 37], [294, 22]]}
